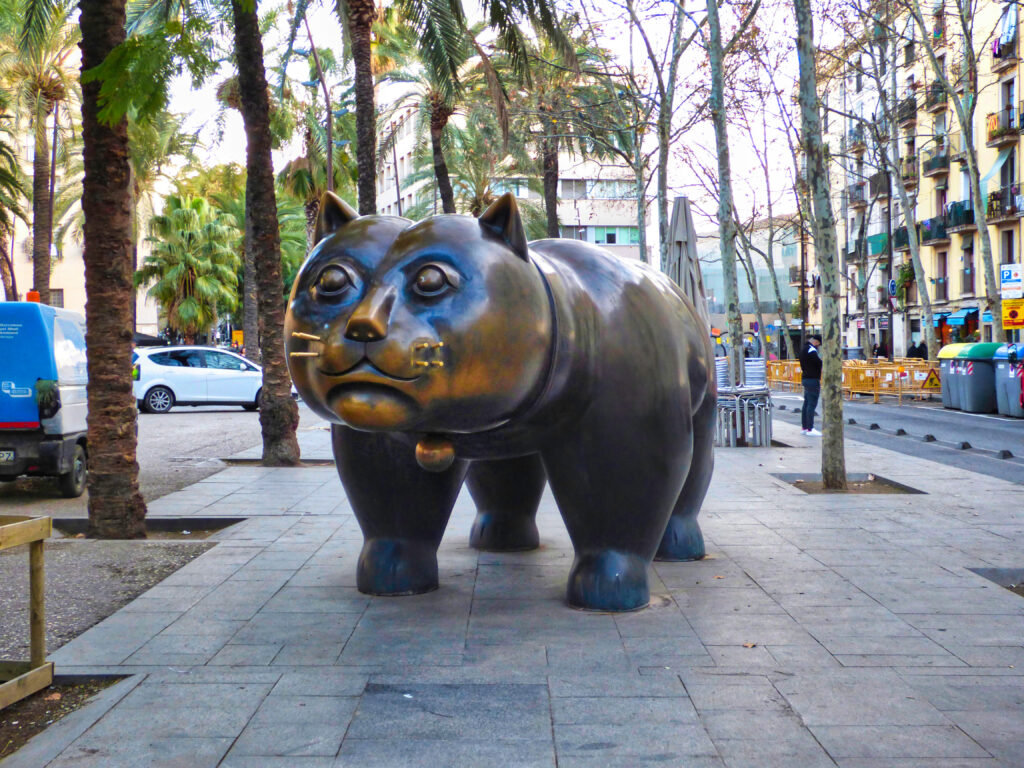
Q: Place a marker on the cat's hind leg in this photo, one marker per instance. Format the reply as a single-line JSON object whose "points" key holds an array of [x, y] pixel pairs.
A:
{"points": [[401, 508], [507, 493], [615, 491], [683, 539]]}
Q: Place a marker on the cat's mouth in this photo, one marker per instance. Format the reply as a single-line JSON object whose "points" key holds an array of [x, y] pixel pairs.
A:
{"points": [[365, 371]]}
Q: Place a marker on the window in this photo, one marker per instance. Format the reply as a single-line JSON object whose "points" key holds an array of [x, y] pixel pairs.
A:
{"points": [[610, 189], [908, 54], [179, 358], [1006, 254], [518, 187], [56, 297], [616, 235], [225, 362], [574, 233], [574, 189]]}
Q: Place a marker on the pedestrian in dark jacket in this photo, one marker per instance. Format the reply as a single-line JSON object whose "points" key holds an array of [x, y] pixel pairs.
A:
{"points": [[810, 369]]}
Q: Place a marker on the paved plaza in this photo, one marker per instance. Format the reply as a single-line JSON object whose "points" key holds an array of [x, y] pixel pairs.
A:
{"points": [[820, 631]]}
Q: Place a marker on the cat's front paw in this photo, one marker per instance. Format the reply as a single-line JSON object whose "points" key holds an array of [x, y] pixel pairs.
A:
{"points": [[397, 567], [608, 581]]}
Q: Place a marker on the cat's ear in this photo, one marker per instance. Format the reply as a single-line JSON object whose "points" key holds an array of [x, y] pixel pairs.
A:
{"points": [[334, 214], [502, 220]]}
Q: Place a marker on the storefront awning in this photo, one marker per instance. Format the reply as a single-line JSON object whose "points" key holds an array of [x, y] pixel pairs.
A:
{"points": [[938, 317], [960, 316], [987, 317]]}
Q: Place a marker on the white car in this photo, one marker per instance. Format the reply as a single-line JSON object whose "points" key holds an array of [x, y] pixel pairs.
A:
{"points": [[164, 377]]}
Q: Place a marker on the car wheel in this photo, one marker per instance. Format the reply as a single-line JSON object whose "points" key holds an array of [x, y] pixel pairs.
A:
{"points": [[255, 404], [159, 400], [72, 484]]}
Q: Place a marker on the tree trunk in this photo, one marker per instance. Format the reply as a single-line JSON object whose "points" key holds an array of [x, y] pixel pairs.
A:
{"points": [[549, 164], [279, 414], [250, 308], [7, 276], [42, 229], [362, 14], [641, 205], [439, 114], [726, 225], [116, 507], [833, 459]]}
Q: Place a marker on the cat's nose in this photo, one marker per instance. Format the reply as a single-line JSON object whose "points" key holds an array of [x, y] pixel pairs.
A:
{"points": [[369, 321]]}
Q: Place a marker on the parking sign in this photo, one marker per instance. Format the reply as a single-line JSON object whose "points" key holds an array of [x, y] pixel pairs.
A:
{"points": [[1011, 281]]}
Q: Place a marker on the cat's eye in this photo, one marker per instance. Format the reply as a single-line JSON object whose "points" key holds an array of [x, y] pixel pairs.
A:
{"points": [[333, 281], [430, 281]]}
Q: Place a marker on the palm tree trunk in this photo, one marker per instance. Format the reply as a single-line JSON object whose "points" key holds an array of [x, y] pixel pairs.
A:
{"points": [[439, 114], [7, 273], [549, 166], [279, 414], [41, 222], [116, 508], [250, 309], [362, 14]]}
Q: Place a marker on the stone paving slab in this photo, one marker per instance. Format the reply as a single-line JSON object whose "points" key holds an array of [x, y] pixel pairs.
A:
{"points": [[820, 631]]}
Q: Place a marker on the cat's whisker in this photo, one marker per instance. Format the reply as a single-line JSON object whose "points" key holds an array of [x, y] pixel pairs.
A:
{"points": [[304, 354], [307, 336]]}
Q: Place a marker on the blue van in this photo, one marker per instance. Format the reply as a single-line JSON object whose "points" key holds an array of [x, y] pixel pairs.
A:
{"points": [[43, 403]]}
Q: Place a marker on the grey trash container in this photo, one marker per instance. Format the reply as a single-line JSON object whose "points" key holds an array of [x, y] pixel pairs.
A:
{"points": [[949, 373], [1009, 364], [978, 377]]}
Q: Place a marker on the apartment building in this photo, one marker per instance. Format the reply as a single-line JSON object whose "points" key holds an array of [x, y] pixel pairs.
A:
{"points": [[596, 202], [932, 167]]}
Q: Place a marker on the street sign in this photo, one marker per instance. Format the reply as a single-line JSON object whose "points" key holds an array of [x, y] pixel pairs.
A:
{"points": [[1013, 313], [892, 287], [932, 382], [1011, 281]]}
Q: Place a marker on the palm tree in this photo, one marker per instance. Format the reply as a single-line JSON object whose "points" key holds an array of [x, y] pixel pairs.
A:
{"points": [[192, 264], [35, 69], [440, 29], [279, 414], [11, 192], [116, 508]]}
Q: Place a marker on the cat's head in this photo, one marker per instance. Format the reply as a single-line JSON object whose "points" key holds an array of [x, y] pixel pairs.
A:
{"points": [[441, 326]]}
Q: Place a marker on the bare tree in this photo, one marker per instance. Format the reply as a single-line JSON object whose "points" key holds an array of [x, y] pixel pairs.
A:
{"points": [[833, 458]]}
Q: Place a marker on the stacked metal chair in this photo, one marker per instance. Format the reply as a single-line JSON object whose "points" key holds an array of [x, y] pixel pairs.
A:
{"points": [[745, 411]]}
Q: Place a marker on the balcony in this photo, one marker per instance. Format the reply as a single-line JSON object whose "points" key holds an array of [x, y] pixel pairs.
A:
{"points": [[878, 186], [901, 239], [908, 171], [939, 31], [936, 161], [1004, 205], [855, 139], [967, 282], [941, 290], [906, 111], [1004, 54], [855, 193], [960, 217], [933, 231], [1002, 127], [935, 98]]}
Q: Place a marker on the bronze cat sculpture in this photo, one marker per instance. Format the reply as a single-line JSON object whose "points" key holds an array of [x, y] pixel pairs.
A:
{"points": [[452, 350]]}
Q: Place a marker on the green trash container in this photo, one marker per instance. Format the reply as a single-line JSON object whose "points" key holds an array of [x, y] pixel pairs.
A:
{"points": [[977, 377], [948, 373], [1009, 362]]}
